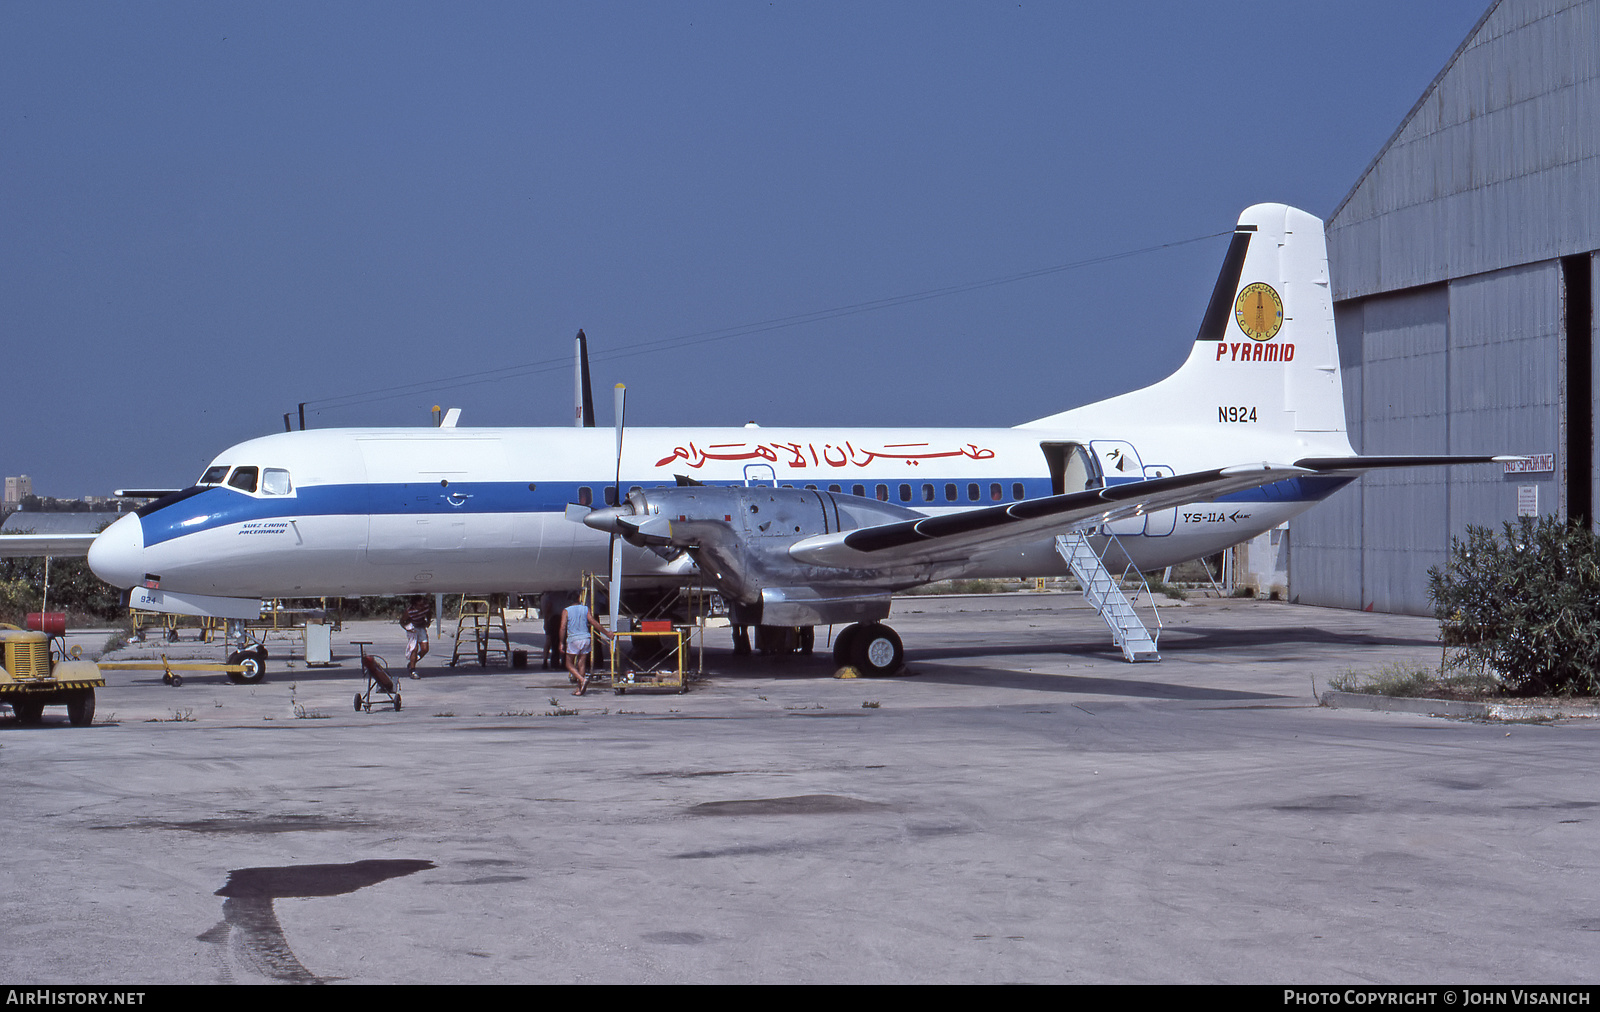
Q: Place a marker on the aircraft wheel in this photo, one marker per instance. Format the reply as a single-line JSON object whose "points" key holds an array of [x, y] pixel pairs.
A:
{"points": [[842, 653], [876, 650], [397, 702], [358, 702], [254, 661], [80, 708], [28, 711]]}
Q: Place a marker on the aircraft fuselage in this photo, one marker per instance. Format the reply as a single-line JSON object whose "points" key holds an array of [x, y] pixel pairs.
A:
{"points": [[396, 511]]}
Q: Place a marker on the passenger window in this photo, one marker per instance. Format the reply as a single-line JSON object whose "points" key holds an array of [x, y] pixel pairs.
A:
{"points": [[883, 493], [973, 492], [213, 475], [585, 495], [275, 481], [611, 495], [860, 490], [1016, 490], [905, 493], [834, 488], [927, 492], [244, 479], [994, 491], [950, 492]]}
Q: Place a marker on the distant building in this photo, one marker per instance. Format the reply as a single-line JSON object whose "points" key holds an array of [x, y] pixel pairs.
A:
{"points": [[1464, 265], [17, 489]]}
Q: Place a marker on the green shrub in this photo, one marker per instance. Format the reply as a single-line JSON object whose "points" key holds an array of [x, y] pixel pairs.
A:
{"points": [[1525, 604], [73, 589]]}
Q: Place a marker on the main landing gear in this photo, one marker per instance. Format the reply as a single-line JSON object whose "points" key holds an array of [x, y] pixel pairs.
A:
{"points": [[870, 647]]}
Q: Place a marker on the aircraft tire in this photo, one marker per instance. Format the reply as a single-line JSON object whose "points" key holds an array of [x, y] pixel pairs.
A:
{"points": [[254, 661], [80, 708], [876, 650]]}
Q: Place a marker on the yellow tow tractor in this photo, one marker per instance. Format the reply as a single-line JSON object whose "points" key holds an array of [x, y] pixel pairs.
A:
{"points": [[38, 672]]}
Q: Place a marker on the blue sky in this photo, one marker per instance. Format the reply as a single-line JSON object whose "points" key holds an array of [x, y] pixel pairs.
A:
{"points": [[210, 212]]}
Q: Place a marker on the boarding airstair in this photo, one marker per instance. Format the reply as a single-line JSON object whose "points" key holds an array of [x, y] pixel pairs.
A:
{"points": [[1104, 592]]}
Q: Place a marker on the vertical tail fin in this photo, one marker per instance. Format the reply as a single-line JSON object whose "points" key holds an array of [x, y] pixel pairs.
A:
{"points": [[1266, 344]]}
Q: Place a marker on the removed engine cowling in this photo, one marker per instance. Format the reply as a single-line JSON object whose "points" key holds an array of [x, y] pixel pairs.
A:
{"points": [[740, 538]]}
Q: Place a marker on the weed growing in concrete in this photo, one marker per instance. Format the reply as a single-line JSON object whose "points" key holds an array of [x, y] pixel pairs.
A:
{"points": [[1417, 681], [116, 641]]}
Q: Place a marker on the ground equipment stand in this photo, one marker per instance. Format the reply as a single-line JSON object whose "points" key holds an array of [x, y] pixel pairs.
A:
{"points": [[485, 620], [666, 668], [378, 679]]}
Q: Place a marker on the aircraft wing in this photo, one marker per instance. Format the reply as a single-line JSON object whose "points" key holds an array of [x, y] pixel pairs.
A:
{"points": [[956, 535], [21, 545]]}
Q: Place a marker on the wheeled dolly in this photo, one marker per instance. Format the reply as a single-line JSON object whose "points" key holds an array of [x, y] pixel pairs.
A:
{"points": [[378, 679]]}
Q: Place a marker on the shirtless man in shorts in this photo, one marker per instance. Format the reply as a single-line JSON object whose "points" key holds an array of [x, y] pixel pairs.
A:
{"points": [[576, 622]]}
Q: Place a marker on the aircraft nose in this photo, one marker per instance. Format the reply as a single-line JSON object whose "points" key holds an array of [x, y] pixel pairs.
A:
{"points": [[117, 555]]}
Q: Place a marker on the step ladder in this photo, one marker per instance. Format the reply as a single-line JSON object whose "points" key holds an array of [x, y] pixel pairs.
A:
{"points": [[481, 622], [1104, 592]]}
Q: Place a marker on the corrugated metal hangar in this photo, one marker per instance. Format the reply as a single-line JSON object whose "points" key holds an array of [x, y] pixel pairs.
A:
{"points": [[1464, 267]]}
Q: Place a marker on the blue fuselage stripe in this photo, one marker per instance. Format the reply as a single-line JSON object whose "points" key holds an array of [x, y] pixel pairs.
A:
{"points": [[222, 506]]}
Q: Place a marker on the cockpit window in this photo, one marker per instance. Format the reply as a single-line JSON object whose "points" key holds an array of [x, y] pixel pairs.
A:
{"points": [[275, 481], [214, 475], [244, 479]]}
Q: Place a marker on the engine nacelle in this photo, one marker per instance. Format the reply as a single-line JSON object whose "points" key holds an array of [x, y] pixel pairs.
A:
{"points": [[740, 538]]}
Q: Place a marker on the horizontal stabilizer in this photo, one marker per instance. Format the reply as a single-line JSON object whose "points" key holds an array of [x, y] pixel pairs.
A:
{"points": [[1358, 463]]}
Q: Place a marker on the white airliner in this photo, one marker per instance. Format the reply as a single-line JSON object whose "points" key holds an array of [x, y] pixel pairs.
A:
{"points": [[794, 526]]}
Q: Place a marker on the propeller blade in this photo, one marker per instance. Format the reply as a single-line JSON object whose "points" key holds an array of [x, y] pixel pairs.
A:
{"points": [[616, 497]]}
